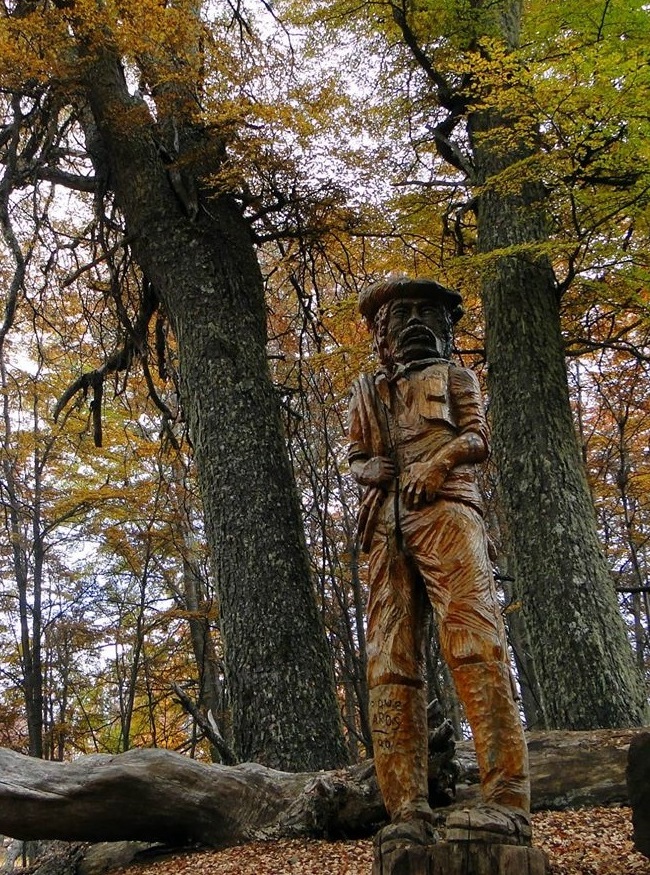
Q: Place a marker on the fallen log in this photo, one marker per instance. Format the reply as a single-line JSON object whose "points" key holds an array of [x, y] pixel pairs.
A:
{"points": [[160, 796], [150, 795], [567, 769]]}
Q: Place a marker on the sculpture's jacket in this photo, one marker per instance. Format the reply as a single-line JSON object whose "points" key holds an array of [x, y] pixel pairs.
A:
{"points": [[408, 418]]}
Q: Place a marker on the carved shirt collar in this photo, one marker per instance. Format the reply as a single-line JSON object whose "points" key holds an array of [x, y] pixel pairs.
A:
{"points": [[409, 367]]}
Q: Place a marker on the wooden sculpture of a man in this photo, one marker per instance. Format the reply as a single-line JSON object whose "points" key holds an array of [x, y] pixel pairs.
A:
{"points": [[417, 433]]}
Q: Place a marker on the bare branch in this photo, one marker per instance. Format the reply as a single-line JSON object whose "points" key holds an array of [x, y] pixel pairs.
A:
{"points": [[207, 726], [69, 180], [120, 360]]}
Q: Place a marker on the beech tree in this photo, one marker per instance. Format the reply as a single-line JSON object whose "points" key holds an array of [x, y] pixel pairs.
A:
{"points": [[523, 129], [39, 515], [134, 105], [548, 507]]}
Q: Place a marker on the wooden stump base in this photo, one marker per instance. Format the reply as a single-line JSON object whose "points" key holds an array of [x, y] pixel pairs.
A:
{"points": [[460, 858]]}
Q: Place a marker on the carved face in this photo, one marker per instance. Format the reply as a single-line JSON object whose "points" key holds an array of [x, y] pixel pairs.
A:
{"points": [[417, 329]]}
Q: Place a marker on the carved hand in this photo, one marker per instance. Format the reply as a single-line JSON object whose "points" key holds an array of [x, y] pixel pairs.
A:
{"points": [[378, 471], [423, 480]]}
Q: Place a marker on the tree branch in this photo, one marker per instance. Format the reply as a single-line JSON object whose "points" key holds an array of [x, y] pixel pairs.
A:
{"points": [[120, 360], [447, 97], [209, 728], [69, 180]]}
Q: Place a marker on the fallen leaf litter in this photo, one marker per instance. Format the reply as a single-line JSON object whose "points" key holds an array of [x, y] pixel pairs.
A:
{"points": [[589, 841]]}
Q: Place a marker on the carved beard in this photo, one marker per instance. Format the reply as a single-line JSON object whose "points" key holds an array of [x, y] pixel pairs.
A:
{"points": [[431, 345], [443, 345]]}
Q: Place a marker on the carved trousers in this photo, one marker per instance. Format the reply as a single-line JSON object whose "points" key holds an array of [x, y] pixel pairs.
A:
{"points": [[438, 552]]}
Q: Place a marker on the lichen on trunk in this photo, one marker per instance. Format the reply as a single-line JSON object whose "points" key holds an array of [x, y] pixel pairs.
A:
{"points": [[582, 656], [205, 271]]}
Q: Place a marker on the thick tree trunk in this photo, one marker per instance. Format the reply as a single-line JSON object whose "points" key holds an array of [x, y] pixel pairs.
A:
{"points": [[158, 795], [206, 273], [519, 640], [582, 657]]}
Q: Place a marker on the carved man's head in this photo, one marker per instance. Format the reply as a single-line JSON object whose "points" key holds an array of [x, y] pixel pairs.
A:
{"points": [[411, 320]]}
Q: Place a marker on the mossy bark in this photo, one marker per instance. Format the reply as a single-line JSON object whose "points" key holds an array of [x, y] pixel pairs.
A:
{"points": [[206, 273], [582, 656]]}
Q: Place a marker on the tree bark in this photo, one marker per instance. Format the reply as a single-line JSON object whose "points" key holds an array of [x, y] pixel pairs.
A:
{"points": [[206, 273], [158, 795], [582, 656]]}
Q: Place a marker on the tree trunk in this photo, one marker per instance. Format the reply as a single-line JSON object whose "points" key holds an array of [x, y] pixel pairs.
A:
{"points": [[638, 783], [158, 795], [581, 653], [206, 273], [24, 524]]}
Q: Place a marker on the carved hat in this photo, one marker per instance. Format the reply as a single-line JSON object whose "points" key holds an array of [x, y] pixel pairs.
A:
{"points": [[375, 296]]}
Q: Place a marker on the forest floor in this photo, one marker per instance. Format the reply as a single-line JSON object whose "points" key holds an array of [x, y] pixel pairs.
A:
{"points": [[589, 841]]}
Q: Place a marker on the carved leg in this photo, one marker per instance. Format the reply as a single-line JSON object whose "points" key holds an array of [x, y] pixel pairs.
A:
{"points": [[486, 692], [399, 734]]}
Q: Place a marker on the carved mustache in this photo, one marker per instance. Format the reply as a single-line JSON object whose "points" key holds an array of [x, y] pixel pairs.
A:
{"points": [[419, 331]]}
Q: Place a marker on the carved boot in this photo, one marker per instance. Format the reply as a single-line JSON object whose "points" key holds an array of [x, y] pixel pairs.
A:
{"points": [[485, 689], [498, 824], [399, 734]]}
